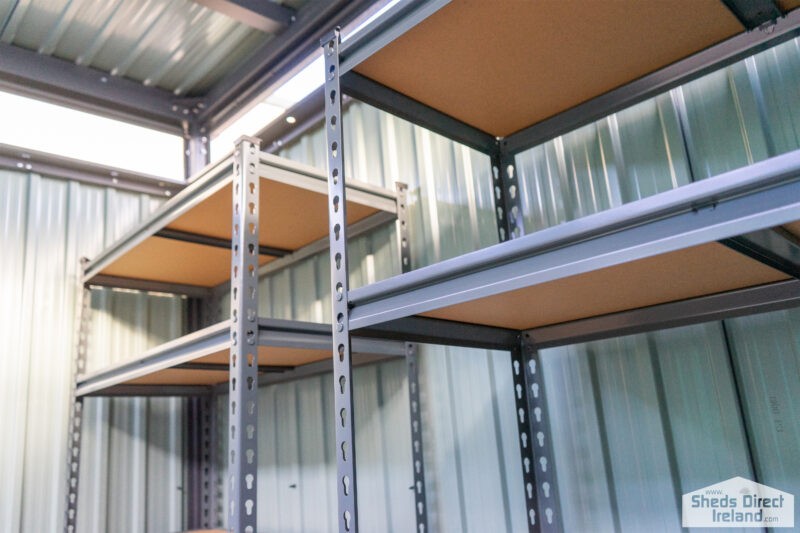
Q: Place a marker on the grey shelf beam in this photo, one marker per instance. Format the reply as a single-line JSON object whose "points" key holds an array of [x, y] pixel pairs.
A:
{"points": [[713, 58], [269, 17], [386, 99], [753, 13], [56, 166], [762, 195], [436, 331], [182, 350], [56, 80], [214, 242], [185, 350], [153, 391], [775, 247], [361, 227], [749, 301], [102, 280]]}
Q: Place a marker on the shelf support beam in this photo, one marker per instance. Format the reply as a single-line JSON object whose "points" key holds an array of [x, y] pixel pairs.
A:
{"points": [[270, 17], [76, 411], [741, 302], [386, 99], [243, 385], [347, 514], [775, 247]]}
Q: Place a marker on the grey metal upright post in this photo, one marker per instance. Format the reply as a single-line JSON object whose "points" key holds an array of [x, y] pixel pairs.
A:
{"points": [[243, 385], [347, 514], [412, 365], [508, 208], [201, 470], [538, 464], [538, 468], [76, 411], [196, 153]]}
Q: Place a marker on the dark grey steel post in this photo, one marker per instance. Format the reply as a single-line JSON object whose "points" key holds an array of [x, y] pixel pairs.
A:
{"points": [[76, 412], [415, 406], [208, 474], [201, 470], [196, 153], [418, 464], [538, 468], [347, 514], [538, 465], [243, 385], [508, 208]]}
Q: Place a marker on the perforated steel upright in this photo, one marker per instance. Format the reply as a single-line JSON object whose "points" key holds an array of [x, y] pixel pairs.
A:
{"points": [[347, 514], [538, 467], [243, 385], [76, 411], [412, 366]]}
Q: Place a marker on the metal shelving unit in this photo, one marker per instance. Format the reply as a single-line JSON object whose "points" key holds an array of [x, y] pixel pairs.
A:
{"points": [[238, 217], [504, 77]]}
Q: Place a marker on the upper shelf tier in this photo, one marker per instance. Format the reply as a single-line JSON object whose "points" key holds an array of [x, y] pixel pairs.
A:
{"points": [[187, 240], [501, 66], [673, 246]]}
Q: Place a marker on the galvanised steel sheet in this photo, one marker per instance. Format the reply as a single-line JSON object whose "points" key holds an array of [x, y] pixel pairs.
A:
{"points": [[47, 224], [178, 45]]}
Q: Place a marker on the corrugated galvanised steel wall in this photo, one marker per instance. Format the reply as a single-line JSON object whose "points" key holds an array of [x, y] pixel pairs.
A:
{"points": [[131, 447]]}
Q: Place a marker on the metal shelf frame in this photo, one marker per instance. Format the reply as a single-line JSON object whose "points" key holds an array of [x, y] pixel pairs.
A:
{"points": [[741, 209], [240, 335]]}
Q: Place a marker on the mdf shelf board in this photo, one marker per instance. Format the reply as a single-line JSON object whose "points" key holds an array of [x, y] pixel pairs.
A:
{"points": [[501, 66], [692, 272], [172, 261], [291, 217]]}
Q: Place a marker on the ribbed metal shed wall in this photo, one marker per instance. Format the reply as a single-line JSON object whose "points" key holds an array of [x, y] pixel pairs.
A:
{"points": [[178, 45], [47, 225]]}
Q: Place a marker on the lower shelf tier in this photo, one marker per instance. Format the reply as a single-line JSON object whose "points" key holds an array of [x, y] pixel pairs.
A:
{"points": [[286, 350]]}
